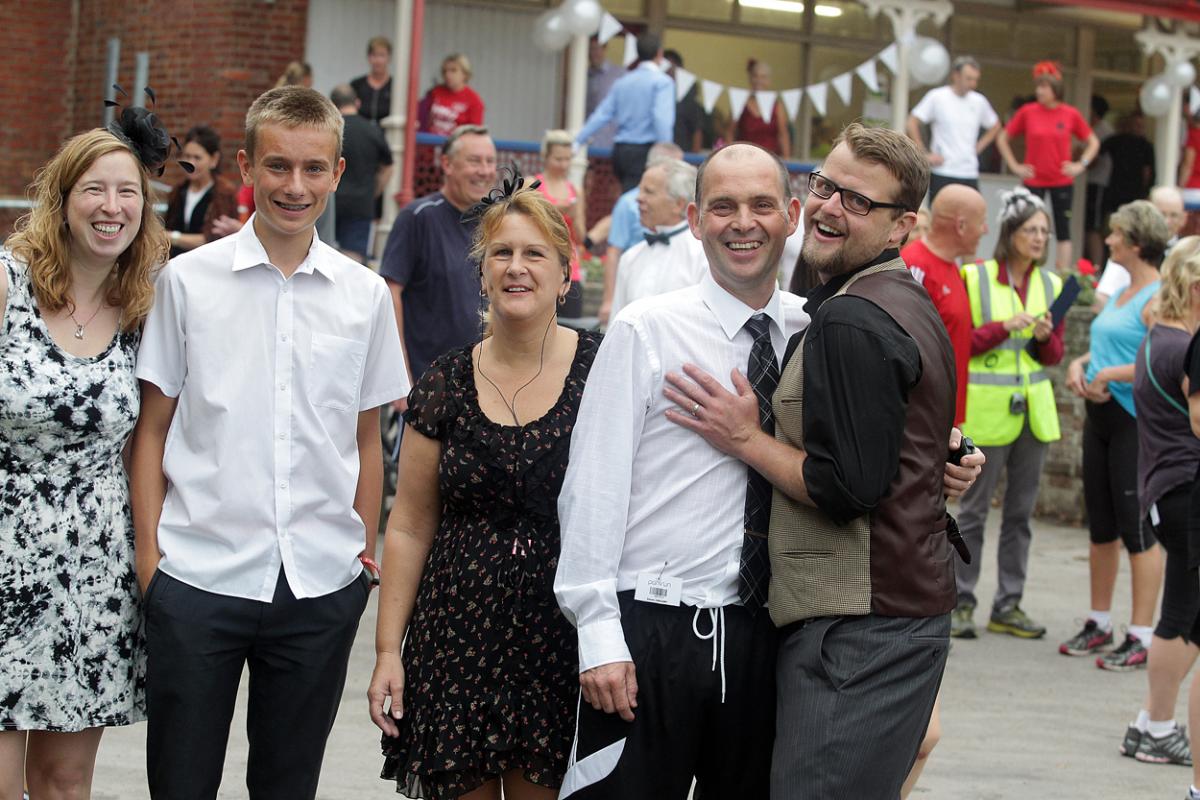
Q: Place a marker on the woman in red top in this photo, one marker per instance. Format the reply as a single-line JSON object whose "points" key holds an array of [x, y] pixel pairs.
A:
{"points": [[1048, 171], [1189, 167], [451, 103], [752, 127], [556, 187]]}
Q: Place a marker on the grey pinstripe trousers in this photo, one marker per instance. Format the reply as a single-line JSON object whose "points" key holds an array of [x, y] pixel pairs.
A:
{"points": [[854, 696]]}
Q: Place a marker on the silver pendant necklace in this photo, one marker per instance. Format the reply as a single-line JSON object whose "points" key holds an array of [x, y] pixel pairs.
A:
{"points": [[80, 326]]}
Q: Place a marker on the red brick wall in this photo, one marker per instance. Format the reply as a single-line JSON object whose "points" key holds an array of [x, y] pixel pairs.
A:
{"points": [[35, 91], [208, 61]]}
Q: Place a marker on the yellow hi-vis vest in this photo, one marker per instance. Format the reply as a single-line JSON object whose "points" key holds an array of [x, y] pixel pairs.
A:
{"points": [[1008, 369]]}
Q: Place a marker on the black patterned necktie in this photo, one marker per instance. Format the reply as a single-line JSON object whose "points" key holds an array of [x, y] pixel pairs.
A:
{"points": [[754, 572]]}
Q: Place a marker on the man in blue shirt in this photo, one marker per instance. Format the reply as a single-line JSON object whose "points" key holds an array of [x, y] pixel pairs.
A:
{"points": [[434, 284], [642, 102]]}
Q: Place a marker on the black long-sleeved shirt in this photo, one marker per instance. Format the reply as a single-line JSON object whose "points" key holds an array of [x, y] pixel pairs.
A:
{"points": [[859, 366]]}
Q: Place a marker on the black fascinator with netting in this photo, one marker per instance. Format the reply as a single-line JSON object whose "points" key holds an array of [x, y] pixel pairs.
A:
{"points": [[143, 131], [510, 184]]}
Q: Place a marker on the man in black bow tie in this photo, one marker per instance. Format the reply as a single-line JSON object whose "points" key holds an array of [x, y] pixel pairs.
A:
{"points": [[665, 260]]}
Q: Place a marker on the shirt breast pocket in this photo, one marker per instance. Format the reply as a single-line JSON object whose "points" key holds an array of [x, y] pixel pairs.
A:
{"points": [[335, 371]]}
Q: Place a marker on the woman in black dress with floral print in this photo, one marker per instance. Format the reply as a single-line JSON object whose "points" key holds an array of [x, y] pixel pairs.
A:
{"points": [[75, 286], [484, 694]]}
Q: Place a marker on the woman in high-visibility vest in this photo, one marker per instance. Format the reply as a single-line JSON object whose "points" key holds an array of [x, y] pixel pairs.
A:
{"points": [[1011, 413], [1104, 378]]}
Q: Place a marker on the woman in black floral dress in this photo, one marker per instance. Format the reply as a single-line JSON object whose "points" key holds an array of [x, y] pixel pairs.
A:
{"points": [[485, 692], [75, 285]]}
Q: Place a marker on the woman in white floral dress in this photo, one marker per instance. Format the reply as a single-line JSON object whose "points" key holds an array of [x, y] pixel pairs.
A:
{"points": [[75, 285]]}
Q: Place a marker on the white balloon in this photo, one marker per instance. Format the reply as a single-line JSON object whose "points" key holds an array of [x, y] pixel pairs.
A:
{"points": [[1180, 74], [582, 17], [550, 31], [1155, 96], [928, 61]]}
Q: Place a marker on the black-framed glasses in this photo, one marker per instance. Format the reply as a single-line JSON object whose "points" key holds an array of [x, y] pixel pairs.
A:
{"points": [[852, 201]]}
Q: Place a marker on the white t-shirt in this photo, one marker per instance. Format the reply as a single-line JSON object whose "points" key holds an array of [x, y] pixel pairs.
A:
{"points": [[1114, 279], [191, 200], [955, 122]]}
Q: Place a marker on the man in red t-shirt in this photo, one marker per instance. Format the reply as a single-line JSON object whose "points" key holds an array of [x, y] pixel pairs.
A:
{"points": [[959, 221], [1048, 169]]}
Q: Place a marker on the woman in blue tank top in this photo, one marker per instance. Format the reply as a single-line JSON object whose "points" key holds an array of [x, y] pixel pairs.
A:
{"points": [[1104, 378]]}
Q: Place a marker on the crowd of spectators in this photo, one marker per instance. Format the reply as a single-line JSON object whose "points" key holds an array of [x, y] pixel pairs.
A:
{"points": [[479, 282]]}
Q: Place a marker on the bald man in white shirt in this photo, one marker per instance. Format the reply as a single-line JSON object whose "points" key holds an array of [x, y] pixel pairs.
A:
{"points": [[649, 510]]}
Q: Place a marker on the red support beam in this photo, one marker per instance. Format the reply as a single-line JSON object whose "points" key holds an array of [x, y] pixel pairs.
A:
{"points": [[1174, 9], [410, 114]]}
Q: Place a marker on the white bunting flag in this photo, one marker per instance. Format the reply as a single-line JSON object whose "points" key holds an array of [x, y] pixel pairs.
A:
{"points": [[816, 96], [630, 49], [737, 101], [841, 85], [890, 58], [766, 103], [610, 26], [684, 81], [791, 101], [711, 91], [866, 71]]}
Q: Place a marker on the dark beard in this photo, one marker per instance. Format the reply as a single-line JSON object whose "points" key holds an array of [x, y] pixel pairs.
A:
{"points": [[827, 267]]}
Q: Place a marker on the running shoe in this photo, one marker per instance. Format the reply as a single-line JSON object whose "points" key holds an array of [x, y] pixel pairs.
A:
{"points": [[962, 623], [1129, 745], [1170, 749], [1015, 622], [1131, 655], [1088, 640]]}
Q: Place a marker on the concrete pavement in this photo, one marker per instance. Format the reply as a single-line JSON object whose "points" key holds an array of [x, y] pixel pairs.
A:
{"points": [[1019, 720]]}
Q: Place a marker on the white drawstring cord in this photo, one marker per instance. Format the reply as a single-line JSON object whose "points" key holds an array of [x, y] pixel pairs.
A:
{"points": [[717, 634]]}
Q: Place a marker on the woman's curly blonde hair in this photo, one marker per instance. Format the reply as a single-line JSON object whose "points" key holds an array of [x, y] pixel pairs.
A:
{"points": [[1180, 272], [43, 241]]}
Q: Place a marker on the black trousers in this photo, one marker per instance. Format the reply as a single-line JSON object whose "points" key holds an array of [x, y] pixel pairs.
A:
{"points": [[198, 642], [855, 697], [682, 727], [629, 162], [939, 182]]}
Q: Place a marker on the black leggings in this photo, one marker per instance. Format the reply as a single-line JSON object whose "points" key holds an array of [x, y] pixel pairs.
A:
{"points": [[1110, 448], [1060, 199], [1181, 585]]}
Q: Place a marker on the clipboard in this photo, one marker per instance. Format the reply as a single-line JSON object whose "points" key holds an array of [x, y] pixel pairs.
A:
{"points": [[1059, 308]]}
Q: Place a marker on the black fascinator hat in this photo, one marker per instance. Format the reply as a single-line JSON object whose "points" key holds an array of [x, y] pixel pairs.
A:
{"points": [[509, 185], [142, 130]]}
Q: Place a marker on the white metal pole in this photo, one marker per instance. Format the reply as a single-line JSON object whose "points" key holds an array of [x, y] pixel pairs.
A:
{"points": [[577, 67], [393, 124], [1166, 140], [900, 83]]}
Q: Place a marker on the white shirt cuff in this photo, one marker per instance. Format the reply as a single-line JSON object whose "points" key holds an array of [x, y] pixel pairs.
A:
{"points": [[601, 643]]}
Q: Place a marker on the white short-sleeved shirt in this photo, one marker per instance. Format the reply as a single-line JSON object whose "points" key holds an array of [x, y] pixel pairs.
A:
{"points": [[270, 373], [955, 123]]}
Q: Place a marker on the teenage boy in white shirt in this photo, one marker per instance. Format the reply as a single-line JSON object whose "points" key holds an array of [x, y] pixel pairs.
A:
{"points": [[257, 469]]}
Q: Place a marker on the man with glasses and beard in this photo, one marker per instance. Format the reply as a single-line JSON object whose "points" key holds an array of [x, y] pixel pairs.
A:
{"points": [[664, 567], [861, 581]]}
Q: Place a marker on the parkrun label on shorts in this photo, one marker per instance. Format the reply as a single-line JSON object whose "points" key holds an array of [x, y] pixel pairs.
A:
{"points": [[660, 588]]}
